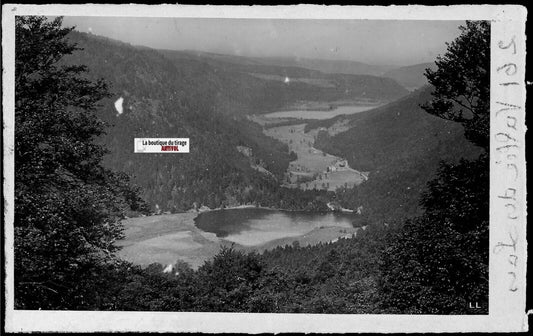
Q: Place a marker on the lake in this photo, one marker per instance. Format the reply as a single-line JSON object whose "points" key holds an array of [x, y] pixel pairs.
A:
{"points": [[195, 238], [320, 114], [256, 226]]}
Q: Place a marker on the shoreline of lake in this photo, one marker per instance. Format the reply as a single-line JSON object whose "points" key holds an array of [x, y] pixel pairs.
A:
{"points": [[255, 227], [167, 238], [250, 206]]}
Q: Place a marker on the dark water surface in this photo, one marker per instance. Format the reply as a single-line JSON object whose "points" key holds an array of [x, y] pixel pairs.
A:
{"points": [[254, 226]]}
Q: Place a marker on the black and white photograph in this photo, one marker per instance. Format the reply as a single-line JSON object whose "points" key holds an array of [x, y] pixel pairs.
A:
{"points": [[273, 166]]}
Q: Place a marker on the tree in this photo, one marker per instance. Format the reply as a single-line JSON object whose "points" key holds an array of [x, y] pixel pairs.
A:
{"points": [[228, 281], [68, 207], [438, 263], [462, 82]]}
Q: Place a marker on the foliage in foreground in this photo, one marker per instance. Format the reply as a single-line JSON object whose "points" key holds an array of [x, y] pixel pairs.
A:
{"points": [[67, 206], [438, 262], [329, 278]]}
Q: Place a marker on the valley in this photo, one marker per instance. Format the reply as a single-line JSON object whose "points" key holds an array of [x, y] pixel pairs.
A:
{"points": [[313, 168], [266, 133]]}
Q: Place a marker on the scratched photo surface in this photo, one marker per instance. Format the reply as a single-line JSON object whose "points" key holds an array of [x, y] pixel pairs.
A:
{"points": [[334, 166]]}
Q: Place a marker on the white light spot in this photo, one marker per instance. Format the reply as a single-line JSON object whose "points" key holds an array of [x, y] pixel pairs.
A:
{"points": [[287, 80], [118, 106]]}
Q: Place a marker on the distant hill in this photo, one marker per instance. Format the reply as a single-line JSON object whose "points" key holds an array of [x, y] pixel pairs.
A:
{"points": [[401, 146], [321, 65], [329, 66], [411, 77], [254, 85]]}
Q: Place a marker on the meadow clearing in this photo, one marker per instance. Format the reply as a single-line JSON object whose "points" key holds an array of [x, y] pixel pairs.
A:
{"points": [[314, 169]]}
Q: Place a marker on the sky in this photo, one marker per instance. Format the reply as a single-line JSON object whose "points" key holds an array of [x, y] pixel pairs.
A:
{"points": [[380, 42]]}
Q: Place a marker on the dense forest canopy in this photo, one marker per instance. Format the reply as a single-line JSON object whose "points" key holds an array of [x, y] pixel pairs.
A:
{"points": [[444, 251], [69, 206]]}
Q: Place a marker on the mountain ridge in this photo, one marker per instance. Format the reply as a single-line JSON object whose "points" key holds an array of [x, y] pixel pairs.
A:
{"points": [[411, 76]]}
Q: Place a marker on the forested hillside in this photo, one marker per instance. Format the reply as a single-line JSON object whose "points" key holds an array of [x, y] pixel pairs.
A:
{"points": [[176, 94], [401, 146], [161, 100]]}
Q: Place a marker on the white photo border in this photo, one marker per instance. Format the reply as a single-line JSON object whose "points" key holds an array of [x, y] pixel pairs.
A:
{"points": [[508, 246]]}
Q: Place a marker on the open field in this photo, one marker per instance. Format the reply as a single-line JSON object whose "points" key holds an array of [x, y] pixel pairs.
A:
{"points": [[165, 239], [337, 179], [310, 170], [309, 159]]}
